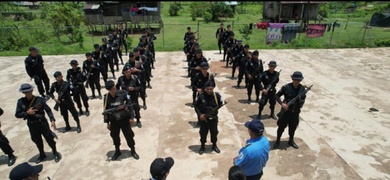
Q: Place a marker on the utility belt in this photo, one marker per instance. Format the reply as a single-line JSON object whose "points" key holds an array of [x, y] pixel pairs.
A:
{"points": [[36, 120], [121, 115]]}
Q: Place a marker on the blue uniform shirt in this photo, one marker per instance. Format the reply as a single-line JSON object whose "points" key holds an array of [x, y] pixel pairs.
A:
{"points": [[253, 157]]}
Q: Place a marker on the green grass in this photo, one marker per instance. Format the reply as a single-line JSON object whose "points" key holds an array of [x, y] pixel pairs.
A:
{"points": [[170, 38]]}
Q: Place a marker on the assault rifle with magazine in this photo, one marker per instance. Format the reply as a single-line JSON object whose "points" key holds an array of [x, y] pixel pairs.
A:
{"points": [[282, 111]]}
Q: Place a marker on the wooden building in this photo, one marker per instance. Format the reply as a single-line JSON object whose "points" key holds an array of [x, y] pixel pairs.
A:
{"points": [[135, 14], [284, 11]]}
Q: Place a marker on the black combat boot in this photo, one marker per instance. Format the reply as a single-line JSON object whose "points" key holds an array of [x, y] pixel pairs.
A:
{"points": [[139, 123], [279, 135], [78, 127], [215, 148], [259, 114], [117, 153], [292, 143], [249, 100], [67, 126], [86, 112], [273, 116], [11, 159], [80, 112], [42, 156], [134, 154], [202, 148], [57, 156]]}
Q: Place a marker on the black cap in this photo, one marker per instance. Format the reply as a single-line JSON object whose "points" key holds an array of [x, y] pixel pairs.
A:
{"points": [[33, 49], [272, 63], [88, 54], [246, 46], [24, 170], [221, 24], [297, 75], [209, 83], [25, 87], [74, 62], [256, 52], [160, 166], [104, 39], [198, 51], [110, 36], [135, 49], [204, 65], [109, 84], [228, 26], [255, 126], [131, 54], [188, 27], [96, 45], [239, 41], [57, 73]]}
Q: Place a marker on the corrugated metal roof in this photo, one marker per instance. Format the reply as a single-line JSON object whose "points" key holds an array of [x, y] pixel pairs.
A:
{"points": [[303, 2], [91, 6]]}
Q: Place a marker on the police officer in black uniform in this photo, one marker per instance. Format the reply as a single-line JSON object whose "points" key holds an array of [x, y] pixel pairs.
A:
{"points": [[242, 58], [237, 49], [131, 84], [120, 118], [254, 69], [150, 43], [229, 44], [188, 51], [32, 109], [123, 36], [147, 57], [269, 76], [114, 46], [226, 36], [5, 147], [291, 116], [139, 70], [93, 76], [76, 78], [106, 56], [96, 57], [65, 101], [205, 102], [195, 67], [187, 35], [200, 80], [118, 40], [36, 70], [219, 35]]}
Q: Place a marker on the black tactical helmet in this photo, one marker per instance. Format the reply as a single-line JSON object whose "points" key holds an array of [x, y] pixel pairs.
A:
{"points": [[297, 75], [272, 63], [57, 73], [74, 62]]}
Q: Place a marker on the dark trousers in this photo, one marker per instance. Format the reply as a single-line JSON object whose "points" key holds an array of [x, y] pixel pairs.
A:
{"points": [[39, 129], [125, 45], [254, 177], [224, 53], [241, 73], [42, 78], [4, 144], [103, 72], [124, 125], [229, 56], [235, 65], [115, 58], [94, 82], [120, 55], [66, 106], [290, 119], [78, 92], [205, 127], [265, 98], [142, 93], [220, 44], [136, 107], [108, 61], [253, 82]]}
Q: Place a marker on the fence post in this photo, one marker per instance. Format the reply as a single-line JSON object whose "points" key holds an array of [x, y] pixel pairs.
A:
{"points": [[198, 30]]}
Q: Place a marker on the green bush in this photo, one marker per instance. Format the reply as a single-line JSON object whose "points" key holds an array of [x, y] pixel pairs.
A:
{"points": [[245, 31], [174, 9], [382, 43], [29, 16], [207, 17]]}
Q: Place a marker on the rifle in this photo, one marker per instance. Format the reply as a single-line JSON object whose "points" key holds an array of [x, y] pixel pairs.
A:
{"points": [[273, 81], [254, 72], [207, 115], [88, 74], [60, 94], [112, 111], [282, 111]]}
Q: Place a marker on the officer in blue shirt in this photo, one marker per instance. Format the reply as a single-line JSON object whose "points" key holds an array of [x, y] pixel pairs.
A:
{"points": [[253, 157]]}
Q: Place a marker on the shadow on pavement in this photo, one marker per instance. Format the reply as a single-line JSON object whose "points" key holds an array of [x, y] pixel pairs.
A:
{"points": [[125, 154], [49, 157], [195, 148]]}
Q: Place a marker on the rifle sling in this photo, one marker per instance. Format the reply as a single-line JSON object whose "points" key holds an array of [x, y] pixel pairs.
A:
{"points": [[32, 102]]}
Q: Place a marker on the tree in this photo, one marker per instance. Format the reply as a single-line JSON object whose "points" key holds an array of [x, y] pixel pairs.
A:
{"points": [[66, 19]]}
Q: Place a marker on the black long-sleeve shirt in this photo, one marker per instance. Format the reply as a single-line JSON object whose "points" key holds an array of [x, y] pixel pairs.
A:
{"points": [[34, 65], [39, 103], [121, 98], [290, 92], [267, 77]]}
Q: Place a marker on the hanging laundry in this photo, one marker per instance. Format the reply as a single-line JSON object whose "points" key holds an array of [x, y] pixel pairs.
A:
{"points": [[289, 31], [262, 25], [274, 32], [315, 30]]}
